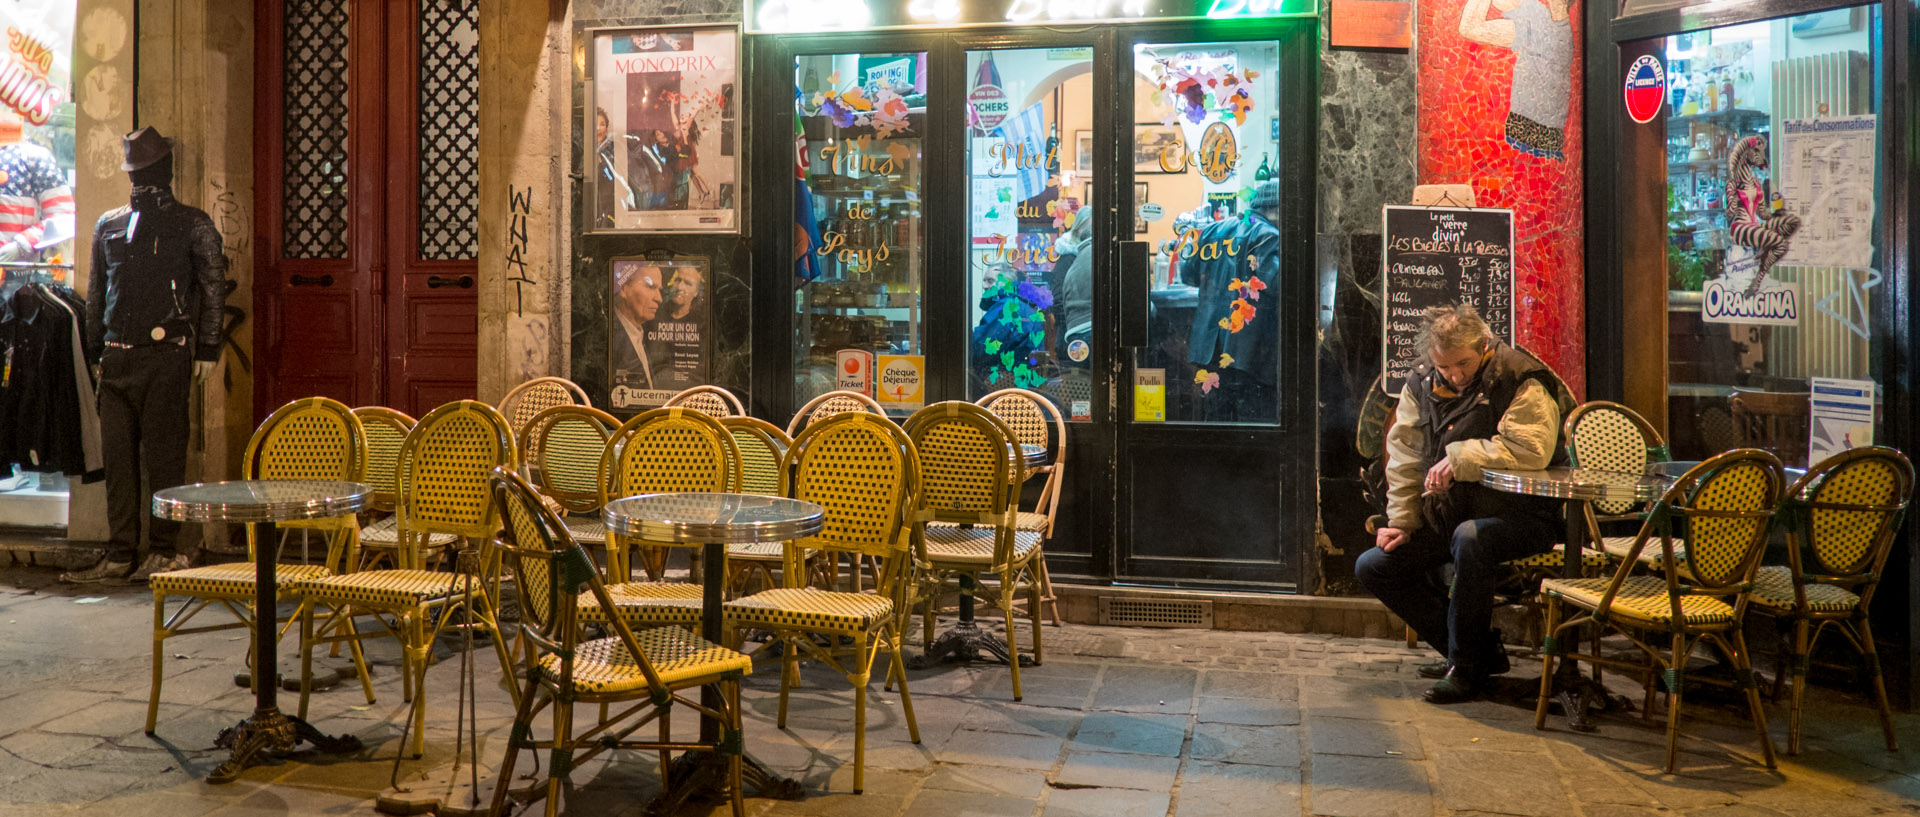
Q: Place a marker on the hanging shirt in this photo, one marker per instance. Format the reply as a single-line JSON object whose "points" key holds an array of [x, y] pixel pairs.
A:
{"points": [[35, 201]]}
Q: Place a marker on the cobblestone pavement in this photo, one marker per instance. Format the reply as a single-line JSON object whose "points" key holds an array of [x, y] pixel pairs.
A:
{"points": [[1116, 723]]}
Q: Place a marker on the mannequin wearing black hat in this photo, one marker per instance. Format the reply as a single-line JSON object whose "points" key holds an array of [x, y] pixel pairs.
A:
{"points": [[156, 293]]}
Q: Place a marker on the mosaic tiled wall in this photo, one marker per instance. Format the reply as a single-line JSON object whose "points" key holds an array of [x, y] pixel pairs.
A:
{"points": [[1476, 127]]}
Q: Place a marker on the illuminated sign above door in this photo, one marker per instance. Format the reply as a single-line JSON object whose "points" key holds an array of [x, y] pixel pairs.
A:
{"points": [[774, 16]]}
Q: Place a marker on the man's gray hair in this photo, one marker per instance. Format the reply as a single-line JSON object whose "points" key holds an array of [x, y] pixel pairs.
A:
{"points": [[1453, 327]]}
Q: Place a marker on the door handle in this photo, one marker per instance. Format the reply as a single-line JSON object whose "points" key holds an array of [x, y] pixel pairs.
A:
{"points": [[436, 282], [1133, 293], [311, 280]]}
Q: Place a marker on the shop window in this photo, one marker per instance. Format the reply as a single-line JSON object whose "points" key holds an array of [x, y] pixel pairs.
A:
{"points": [[1031, 242], [1205, 144], [1772, 199], [859, 239]]}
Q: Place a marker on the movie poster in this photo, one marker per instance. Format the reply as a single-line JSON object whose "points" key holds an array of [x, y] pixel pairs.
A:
{"points": [[664, 135], [662, 329]]}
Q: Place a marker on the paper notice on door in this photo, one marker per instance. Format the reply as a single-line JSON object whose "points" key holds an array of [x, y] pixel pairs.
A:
{"points": [[1150, 395], [1842, 417], [1826, 177]]}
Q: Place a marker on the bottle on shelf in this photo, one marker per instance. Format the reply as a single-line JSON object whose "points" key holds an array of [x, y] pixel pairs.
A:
{"points": [[1265, 172]]}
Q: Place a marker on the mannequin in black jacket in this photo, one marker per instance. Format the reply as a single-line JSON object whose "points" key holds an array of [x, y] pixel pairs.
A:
{"points": [[156, 292]]}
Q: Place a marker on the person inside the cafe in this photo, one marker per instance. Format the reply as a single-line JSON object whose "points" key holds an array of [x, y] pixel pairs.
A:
{"points": [[1473, 404]]}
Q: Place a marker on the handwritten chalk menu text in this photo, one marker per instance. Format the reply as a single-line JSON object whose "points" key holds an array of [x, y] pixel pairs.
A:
{"points": [[1439, 256]]}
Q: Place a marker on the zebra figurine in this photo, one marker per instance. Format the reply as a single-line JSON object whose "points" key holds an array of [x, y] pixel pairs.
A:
{"points": [[1747, 222]]}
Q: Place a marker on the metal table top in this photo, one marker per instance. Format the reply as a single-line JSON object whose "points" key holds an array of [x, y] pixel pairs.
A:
{"points": [[1673, 470], [1033, 454], [1586, 484], [732, 519], [260, 500]]}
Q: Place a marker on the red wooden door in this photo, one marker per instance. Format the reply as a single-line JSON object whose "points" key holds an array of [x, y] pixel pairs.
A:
{"points": [[365, 183]]}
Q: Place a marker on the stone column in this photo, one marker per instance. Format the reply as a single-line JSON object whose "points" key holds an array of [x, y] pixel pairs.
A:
{"points": [[524, 209]]}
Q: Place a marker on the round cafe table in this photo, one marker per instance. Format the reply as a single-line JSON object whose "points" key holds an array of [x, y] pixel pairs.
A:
{"points": [[264, 501], [1579, 487], [714, 521]]}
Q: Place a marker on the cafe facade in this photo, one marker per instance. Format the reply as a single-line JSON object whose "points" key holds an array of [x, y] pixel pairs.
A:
{"points": [[880, 193]]}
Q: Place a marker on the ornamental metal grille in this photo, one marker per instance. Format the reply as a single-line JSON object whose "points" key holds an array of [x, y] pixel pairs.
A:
{"points": [[449, 130], [314, 218]]}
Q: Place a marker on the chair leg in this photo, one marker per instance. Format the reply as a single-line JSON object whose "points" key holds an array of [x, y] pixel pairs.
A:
{"points": [[734, 758], [1782, 652], [1872, 658], [1744, 666], [898, 666], [159, 655], [1033, 602], [860, 680], [1552, 616], [1679, 661], [562, 760], [1046, 595], [422, 649], [666, 755], [1013, 634], [359, 656], [789, 667], [1801, 653], [522, 723], [306, 665]]}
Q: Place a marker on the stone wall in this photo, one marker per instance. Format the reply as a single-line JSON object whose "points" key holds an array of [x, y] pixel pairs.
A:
{"points": [[1367, 129]]}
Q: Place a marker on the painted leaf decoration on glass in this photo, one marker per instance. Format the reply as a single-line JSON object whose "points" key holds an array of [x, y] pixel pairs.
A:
{"points": [[1225, 324], [1207, 381], [1225, 360], [992, 347]]}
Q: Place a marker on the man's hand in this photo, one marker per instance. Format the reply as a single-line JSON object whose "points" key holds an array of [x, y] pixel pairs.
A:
{"points": [[1389, 538], [202, 369], [1440, 476]]}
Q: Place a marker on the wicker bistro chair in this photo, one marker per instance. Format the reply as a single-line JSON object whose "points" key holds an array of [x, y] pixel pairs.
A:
{"points": [[762, 447], [1035, 420], [563, 449], [1725, 503], [1612, 437], [831, 403], [648, 669], [387, 432], [712, 401], [446, 466], [861, 470], [539, 394], [971, 478], [1841, 520], [665, 450], [314, 438]]}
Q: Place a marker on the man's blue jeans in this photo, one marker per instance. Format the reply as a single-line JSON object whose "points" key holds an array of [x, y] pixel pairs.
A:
{"points": [[1460, 626]]}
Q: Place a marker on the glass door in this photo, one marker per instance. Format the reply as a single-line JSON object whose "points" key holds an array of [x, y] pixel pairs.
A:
{"points": [[1212, 442]]}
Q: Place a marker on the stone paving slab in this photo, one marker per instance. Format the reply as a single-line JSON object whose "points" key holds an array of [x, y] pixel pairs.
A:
{"points": [[1116, 723]]}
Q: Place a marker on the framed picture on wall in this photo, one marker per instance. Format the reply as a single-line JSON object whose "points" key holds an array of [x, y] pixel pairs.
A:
{"points": [[1083, 151], [1139, 198], [661, 337], [1150, 141], [660, 130]]}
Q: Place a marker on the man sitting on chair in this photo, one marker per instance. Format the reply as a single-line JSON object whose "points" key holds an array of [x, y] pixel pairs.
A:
{"points": [[1473, 404]]}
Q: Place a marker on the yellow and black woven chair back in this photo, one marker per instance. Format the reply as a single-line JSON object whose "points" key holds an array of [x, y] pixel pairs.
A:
{"points": [[762, 446], [309, 438], [1722, 509], [670, 450], [539, 394], [564, 446], [1847, 509], [712, 401], [1611, 437], [829, 404], [1032, 417], [386, 433], [859, 468], [445, 468], [968, 470], [553, 572]]}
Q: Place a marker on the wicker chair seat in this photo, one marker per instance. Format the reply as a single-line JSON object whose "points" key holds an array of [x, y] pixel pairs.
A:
{"points": [[390, 588], [1618, 546], [1773, 591], [758, 552], [1642, 600], [387, 532], [1023, 520], [974, 546], [587, 530], [603, 665], [650, 604], [1557, 558], [235, 580], [806, 608]]}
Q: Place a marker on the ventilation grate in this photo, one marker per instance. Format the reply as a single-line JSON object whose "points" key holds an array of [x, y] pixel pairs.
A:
{"points": [[1124, 612]]}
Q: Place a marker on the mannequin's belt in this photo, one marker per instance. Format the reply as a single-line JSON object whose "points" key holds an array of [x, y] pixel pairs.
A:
{"points": [[114, 344]]}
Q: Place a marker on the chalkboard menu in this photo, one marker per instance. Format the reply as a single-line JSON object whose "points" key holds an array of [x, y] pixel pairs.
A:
{"points": [[1439, 256]]}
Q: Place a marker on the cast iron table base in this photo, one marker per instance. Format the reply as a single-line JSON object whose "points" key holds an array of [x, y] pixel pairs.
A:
{"points": [[703, 773], [271, 732], [965, 641]]}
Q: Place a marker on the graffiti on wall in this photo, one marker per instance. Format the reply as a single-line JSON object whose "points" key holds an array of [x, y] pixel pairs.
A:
{"points": [[1497, 85], [527, 336]]}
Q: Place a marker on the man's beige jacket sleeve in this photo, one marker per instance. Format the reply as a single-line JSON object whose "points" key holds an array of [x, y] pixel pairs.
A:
{"points": [[1406, 471], [1524, 440]]}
